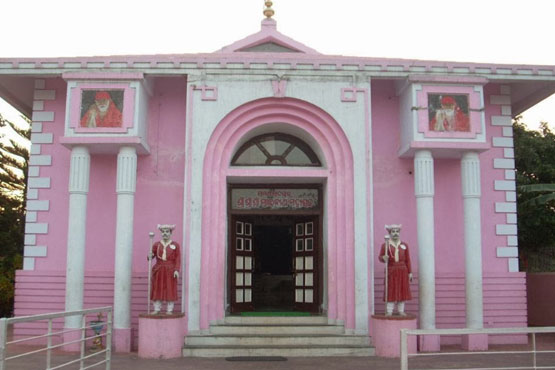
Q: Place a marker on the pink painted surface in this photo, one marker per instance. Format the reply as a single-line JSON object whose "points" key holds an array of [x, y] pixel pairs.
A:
{"points": [[57, 194], [338, 157], [128, 112], [229, 56], [541, 298], [460, 147], [386, 334], [103, 76], [394, 202], [429, 343], [448, 79], [122, 340], [72, 336], [158, 199], [44, 292], [475, 342], [474, 105], [162, 336], [268, 33]]}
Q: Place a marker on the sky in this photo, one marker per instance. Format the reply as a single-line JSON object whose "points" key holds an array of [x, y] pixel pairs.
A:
{"points": [[485, 31]]}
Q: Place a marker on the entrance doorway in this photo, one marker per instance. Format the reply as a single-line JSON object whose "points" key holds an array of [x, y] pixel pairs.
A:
{"points": [[273, 273], [274, 263]]}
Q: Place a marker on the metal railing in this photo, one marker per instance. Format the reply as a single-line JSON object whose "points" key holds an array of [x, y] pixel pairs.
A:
{"points": [[533, 351], [4, 343]]}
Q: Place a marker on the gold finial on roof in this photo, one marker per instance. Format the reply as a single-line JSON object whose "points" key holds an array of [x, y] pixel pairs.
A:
{"points": [[268, 12]]}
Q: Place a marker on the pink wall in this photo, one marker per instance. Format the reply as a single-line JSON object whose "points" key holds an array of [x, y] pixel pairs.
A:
{"points": [[490, 241], [160, 175], [394, 202], [57, 194], [393, 177], [158, 199], [159, 195]]}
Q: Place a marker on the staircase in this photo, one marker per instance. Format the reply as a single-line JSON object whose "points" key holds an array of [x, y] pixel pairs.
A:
{"points": [[276, 336]]}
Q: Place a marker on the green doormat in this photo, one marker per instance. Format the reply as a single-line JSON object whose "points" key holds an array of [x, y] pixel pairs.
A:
{"points": [[275, 313]]}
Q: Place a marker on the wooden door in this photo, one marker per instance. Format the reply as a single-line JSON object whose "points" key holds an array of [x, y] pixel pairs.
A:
{"points": [[305, 264], [242, 264]]}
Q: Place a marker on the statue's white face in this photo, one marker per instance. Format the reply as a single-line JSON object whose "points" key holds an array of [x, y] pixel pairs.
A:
{"points": [[395, 233], [166, 233], [103, 105]]}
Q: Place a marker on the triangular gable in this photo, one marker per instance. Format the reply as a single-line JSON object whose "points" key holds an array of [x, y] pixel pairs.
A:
{"points": [[268, 40]]}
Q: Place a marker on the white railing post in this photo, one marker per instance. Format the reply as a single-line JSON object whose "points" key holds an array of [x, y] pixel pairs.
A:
{"points": [[108, 339], [81, 317], [534, 350], [3, 340], [404, 350], [83, 336], [49, 345]]}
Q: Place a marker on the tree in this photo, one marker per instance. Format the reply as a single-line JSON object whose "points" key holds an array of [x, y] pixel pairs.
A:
{"points": [[535, 177], [14, 156]]}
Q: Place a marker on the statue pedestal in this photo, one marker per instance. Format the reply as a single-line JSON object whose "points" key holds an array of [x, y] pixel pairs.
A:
{"points": [[386, 334], [161, 336]]}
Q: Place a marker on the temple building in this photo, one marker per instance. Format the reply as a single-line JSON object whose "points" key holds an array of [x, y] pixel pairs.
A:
{"points": [[279, 167]]}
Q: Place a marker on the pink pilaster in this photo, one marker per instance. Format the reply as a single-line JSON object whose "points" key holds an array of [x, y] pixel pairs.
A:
{"points": [[122, 340], [475, 342]]}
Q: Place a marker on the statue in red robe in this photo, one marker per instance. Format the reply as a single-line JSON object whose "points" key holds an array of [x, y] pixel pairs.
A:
{"points": [[399, 274], [102, 113], [166, 270]]}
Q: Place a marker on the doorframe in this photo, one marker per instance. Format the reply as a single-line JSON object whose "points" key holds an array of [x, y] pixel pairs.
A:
{"points": [[293, 213], [206, 210]]}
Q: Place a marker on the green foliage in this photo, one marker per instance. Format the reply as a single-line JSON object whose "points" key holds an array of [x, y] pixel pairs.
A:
{"points": [[545, 194], [535, 176], [14, 156]]}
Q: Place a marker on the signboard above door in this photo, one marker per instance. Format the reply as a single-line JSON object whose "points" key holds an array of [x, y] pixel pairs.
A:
{"points": [[274, 199]]}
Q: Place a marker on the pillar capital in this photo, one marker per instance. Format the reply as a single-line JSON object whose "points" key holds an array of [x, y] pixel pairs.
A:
{"points": [[423, 174], [470, 175], [127, 170], [79, 170]]}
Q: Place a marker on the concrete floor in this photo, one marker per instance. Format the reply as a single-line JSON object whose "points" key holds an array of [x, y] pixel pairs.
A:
{"points": [[132, 361]]}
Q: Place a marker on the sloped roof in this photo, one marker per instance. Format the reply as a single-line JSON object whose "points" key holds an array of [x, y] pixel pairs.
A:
{"points": [[268, 39], [272, 51]]}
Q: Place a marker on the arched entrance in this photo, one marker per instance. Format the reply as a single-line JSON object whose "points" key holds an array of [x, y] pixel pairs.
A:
{"points": [[335, 177]]}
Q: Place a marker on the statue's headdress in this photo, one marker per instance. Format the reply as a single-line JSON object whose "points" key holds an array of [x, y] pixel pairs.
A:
{"points": [[165, 227], [393, 226]]}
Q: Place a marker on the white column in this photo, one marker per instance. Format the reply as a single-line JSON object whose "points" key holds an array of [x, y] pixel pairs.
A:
{"points": [[125, 189], [424, 192], [76, 232], [471, 192]]}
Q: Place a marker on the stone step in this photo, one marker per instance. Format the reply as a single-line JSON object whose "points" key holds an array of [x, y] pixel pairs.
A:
{"points": [[296, 329], [273, 320], [277, 340], [285, 351]]}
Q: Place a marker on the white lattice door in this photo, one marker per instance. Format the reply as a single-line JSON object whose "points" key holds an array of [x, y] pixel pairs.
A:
{"points": [[242, 265], [305, 264]]}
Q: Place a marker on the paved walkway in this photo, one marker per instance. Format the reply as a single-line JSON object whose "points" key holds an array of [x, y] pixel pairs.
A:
{"points": [[458, 361], [131, 361]]}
